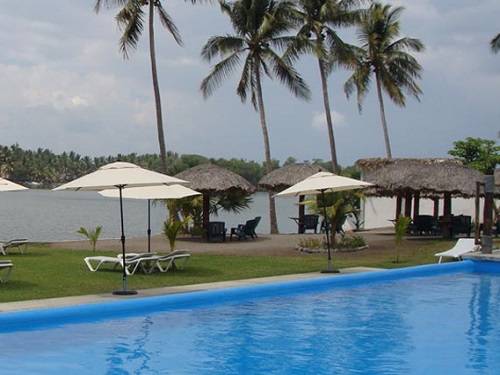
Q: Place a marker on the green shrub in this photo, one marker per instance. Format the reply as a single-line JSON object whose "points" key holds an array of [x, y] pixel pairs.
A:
{"points": [[350, 242]]}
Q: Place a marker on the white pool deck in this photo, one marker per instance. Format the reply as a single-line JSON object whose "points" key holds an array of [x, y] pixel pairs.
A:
{"points": [[99, 298], [493, 257]]}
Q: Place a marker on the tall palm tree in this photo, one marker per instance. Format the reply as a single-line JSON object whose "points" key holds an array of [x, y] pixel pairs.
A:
{"points": [[495, 44], [386, 57], [259, 26], [130, 19], [317, 35]]}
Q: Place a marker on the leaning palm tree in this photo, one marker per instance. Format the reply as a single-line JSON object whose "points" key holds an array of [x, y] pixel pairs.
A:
{"points": [[259, 26], [495, 44], [317, 35], [131, 19], [386, 57]]}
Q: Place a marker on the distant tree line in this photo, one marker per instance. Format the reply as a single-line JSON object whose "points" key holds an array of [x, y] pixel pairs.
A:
{"points": [[44, 167]]}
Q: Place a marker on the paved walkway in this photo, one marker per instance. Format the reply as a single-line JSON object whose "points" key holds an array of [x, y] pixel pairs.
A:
{"points": [[97, 298]]}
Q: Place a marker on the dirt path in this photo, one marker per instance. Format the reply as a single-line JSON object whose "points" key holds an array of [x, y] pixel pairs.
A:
{"points": [[265, 245]]}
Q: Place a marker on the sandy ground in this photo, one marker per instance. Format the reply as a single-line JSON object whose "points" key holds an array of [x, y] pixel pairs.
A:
{"points": [[281, 244]]}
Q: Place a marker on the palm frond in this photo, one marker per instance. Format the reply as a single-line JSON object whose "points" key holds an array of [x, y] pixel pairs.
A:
{"points": [[495, 44], [288, 75], [168, 23], [108, 3], [130, 19], [220, 71], [221, 45]]}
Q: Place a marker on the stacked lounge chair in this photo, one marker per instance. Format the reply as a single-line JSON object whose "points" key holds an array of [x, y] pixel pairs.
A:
{"points": [[146, 262], [5, 270]]}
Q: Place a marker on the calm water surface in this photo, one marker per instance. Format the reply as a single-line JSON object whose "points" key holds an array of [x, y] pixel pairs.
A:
{"points": [[42, 215], [446, 324]]}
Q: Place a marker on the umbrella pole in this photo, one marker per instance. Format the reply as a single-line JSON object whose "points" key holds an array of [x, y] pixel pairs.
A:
{"points": [[329, 268], [124, 291], [149, 225]]}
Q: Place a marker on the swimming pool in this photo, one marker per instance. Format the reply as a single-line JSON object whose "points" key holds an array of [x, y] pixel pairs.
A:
{"points": [[422, 320]]}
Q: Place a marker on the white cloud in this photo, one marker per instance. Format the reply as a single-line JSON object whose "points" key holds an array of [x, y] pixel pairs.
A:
{"points": [[319, 120]]}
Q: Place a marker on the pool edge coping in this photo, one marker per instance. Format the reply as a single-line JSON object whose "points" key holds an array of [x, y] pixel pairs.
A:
{"points": [[69, 301]]}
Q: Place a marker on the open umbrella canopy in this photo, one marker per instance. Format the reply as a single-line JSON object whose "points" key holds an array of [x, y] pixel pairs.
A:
{"points": [[6, 185], [119, 174], [323, 182], [152, 192]]}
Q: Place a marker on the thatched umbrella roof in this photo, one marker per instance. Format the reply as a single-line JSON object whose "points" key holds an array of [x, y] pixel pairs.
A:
{"points": [[210, 178], [289, 175], [431, 177]]}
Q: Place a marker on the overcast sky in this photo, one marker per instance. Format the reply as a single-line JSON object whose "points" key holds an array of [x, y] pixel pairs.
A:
{"points": [[64, 86]]}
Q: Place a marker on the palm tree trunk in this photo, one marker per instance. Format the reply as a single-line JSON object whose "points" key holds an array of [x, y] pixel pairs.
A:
{"points": [[156, 88], [267, 149], [382, 117], [328, 114]]}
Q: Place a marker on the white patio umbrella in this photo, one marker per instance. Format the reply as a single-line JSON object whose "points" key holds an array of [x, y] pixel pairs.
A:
{"points": [[321, 183], [6, 185], [152, 192], [120, 175]]}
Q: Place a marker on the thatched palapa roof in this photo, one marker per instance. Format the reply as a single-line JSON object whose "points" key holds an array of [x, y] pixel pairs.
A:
{"points": [[214, 179], [289, 175], [431, 177]]}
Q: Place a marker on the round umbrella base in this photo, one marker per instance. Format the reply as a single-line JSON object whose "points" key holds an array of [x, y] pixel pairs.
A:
{"points": [[125, 292], [330, 271]]}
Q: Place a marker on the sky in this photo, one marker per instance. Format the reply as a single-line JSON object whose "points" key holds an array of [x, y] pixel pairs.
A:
{"points": [[65, 86]]}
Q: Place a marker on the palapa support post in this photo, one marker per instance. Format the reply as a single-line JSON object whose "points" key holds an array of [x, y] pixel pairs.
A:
{"points": [[416, 205], [329, 268], [487, 239], [446, 222], [408, 196], [124, 291], [149, 225], [436, 208], [477, 231], [399, 204]]}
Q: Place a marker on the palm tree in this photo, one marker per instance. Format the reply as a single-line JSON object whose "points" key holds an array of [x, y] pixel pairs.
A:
{"points": [[387, 58], [317, 35], [259, 26], [495, 44], [130, 19]]}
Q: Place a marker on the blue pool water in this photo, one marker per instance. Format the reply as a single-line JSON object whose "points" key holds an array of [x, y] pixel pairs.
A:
{"points": [[426, 320]]}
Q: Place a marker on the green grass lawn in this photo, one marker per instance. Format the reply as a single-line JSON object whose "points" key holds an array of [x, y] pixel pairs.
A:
{"points": [[44, 272]]}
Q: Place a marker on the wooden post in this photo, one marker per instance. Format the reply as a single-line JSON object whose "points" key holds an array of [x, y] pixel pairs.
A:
{"points": [[446, 223], [302, 210], [487, 239], [206, 213], [408, 196], [436, 208], [399, 203], [477, 231], [416, 204]]}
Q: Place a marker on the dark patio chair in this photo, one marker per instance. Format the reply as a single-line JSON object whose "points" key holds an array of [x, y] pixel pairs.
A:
{"points": [[423, 224], [461, 224], [310, 222], [216, 231], [243, 231]]}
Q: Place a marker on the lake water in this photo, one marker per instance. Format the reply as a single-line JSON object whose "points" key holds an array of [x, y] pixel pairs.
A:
{"points": [[42, 215]]}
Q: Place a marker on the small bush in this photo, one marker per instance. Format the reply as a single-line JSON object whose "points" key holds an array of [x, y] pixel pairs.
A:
{"points": [[311, 243], [350, 242]]}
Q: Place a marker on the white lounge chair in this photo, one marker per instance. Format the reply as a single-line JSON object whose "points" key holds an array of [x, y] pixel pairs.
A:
{"points": [[133, 262], [19, 243], [5, 270], [462, 247], [176, 259]]}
